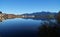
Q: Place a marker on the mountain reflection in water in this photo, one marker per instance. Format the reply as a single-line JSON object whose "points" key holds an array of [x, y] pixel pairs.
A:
{"points": [[21, 27]]}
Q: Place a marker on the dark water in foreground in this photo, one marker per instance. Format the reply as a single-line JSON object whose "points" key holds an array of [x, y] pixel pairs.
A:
{"points": [[20, 27]]}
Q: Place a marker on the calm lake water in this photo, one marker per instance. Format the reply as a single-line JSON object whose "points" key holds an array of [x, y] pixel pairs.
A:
{"points": [[19, 27]]}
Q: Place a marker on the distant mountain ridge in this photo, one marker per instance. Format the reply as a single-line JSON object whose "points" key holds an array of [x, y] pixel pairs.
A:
{"points": [[42, 14]]}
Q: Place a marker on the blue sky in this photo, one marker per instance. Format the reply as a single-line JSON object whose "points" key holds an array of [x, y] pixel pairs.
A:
{"points": [[29, 6]]}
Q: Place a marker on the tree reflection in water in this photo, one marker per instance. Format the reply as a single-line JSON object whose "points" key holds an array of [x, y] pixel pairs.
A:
{"points": [[50, 29]]}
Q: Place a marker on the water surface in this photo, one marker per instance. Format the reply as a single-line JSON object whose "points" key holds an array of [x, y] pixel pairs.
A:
{"points": [[19, 27]]}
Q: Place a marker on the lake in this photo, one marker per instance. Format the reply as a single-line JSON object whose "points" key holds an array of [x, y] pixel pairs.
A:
{"points": [[19, 27]]}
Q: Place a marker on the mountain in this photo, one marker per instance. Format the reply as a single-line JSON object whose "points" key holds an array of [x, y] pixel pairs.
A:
{"points": [[42, 14]]}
